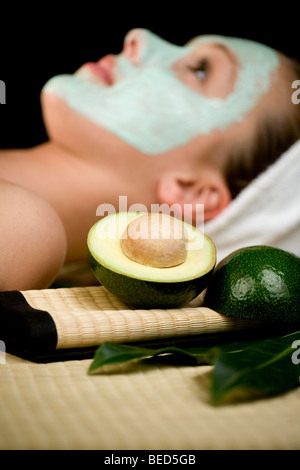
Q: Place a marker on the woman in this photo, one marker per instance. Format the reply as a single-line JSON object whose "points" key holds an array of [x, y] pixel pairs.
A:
{"points": [[159, 123]]}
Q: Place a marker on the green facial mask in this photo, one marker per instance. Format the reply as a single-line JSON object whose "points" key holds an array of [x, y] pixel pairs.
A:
{"points": [[151, 109]]}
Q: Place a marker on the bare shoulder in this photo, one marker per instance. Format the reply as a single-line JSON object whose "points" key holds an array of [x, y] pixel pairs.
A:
{"points": [[72, 186]]}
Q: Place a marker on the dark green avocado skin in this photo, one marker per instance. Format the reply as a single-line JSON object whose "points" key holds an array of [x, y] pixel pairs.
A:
{"points": [[140, 294], [257, 282]]}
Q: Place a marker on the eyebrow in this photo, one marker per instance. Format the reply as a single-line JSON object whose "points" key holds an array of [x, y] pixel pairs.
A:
{"points": [[228, 52], [231, 57]]}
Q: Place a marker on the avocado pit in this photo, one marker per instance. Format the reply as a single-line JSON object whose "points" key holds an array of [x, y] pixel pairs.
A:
{"points": [[156, 240]]}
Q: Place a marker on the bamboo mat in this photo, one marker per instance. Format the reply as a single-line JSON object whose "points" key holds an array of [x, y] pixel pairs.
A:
{"points": [[57, 405], [52, 324], [88, 316]]}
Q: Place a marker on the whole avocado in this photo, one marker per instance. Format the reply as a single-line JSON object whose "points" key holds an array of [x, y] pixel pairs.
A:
{"points": [[257, 282]]}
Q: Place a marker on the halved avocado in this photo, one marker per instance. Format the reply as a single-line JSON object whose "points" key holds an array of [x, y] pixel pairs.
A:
{"points": [[144, 286]]}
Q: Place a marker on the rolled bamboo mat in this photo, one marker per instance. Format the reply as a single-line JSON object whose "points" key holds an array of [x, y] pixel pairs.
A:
{"points": [[88, 316]]}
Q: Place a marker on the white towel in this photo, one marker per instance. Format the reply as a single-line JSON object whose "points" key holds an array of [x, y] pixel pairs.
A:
{"points": [[266, 212]]}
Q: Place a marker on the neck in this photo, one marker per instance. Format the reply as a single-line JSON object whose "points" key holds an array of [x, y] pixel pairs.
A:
{"points": [[113, 171], [41, 150]]}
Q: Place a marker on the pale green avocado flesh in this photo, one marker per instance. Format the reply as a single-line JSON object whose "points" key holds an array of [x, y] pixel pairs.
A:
{"points": [[142, 286]]}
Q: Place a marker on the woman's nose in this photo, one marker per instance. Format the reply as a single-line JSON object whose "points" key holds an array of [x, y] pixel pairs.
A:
{"points": [[133, 45], [143, 47]]}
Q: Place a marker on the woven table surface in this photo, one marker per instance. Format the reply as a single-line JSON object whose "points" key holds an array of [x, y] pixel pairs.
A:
{"points": [[59, 405]]}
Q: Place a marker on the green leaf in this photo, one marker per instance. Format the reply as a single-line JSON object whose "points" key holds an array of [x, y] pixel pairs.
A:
{"points": [[260, 367], [114, 354]]}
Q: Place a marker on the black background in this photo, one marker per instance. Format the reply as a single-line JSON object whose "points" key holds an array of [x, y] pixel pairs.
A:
{"points": [[38, 42]]}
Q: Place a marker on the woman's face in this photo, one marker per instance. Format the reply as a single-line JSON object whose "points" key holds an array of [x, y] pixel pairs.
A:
{"points": [[156, 96]]}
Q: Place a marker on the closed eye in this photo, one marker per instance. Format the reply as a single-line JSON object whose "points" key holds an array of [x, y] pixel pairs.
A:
{"points": [[209, 69], [201, 70]]}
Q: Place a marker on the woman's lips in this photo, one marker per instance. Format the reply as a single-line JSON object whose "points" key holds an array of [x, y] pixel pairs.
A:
{"points": [[103, 69]]}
